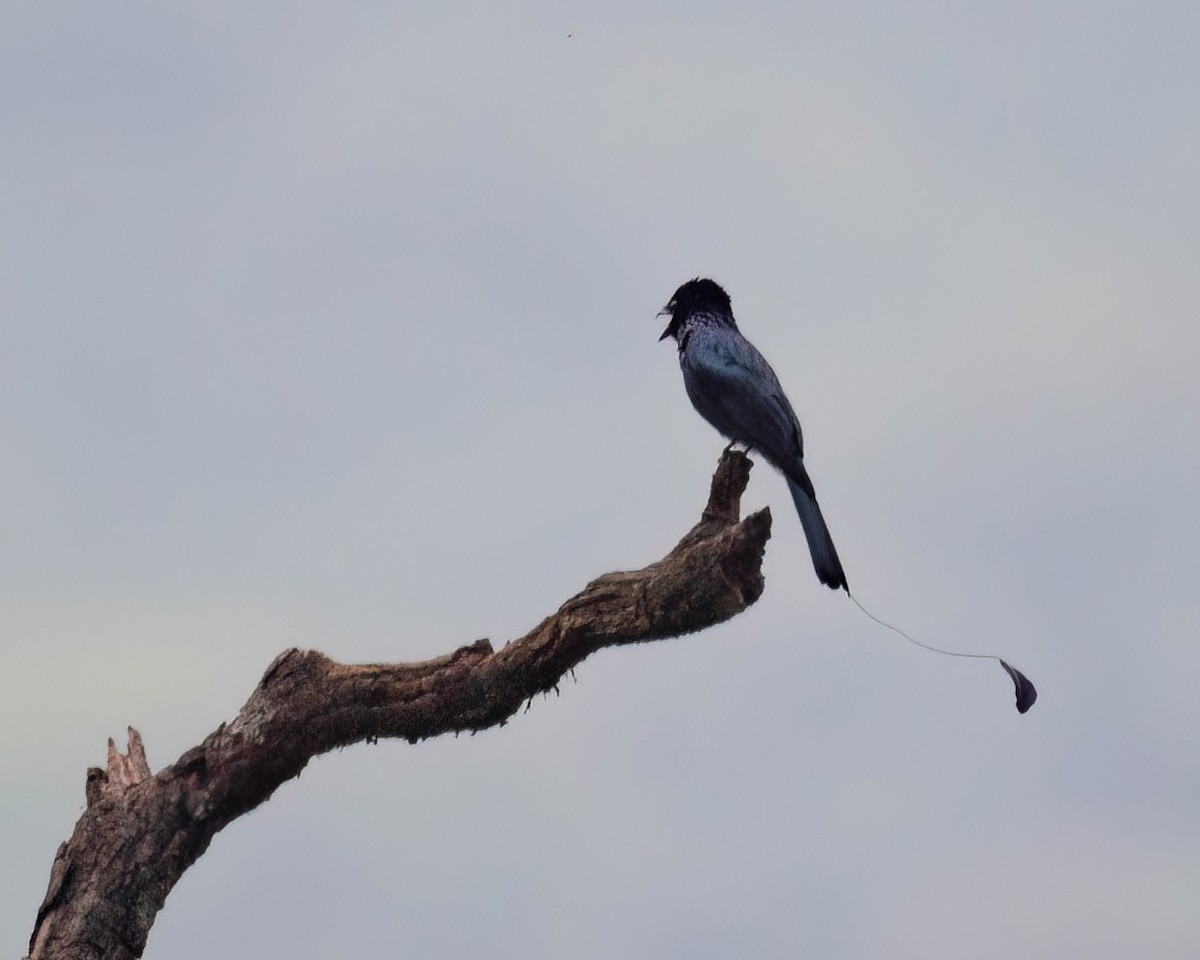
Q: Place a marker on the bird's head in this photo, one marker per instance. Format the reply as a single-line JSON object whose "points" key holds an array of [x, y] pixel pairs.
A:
{"points": [[700, 295]]}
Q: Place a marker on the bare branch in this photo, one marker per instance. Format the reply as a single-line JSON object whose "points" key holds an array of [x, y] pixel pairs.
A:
{"points": [[140, 831]]}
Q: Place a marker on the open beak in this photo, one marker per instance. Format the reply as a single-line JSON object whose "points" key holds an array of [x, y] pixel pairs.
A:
{"points": [[664, 312]]}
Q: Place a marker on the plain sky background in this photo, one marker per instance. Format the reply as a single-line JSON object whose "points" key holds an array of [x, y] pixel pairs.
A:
{"points": [[333, 325]]}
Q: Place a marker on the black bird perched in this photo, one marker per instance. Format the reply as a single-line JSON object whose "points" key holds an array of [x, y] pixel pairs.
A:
{"points": [[733, 387]]}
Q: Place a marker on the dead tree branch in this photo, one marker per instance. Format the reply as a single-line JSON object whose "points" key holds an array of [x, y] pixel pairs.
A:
{"points": [[141, 831]]}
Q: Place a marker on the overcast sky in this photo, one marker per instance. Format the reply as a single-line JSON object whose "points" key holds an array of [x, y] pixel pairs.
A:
{"points": [[334, 326]]}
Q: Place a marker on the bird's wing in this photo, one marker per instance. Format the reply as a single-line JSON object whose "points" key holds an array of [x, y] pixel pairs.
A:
{"points": [[734, 388]]}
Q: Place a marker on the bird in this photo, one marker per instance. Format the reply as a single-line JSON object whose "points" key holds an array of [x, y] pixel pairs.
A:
{"points": [[732, 386]]}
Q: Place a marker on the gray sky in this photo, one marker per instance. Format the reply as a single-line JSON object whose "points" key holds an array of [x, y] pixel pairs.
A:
{"points": [[334, 327]]}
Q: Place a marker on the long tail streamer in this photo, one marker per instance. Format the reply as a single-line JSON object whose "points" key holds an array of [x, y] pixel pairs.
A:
{"points": [[1026, 692]]}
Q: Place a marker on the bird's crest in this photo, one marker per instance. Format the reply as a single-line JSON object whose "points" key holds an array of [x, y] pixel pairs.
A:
{"points": [[699, 295]]}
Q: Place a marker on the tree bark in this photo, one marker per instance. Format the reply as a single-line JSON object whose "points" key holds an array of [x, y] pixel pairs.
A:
{"points": [[141, 831]]}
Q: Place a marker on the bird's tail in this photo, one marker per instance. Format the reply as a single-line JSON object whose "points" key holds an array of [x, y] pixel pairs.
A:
{"points": [[820, 543]]}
